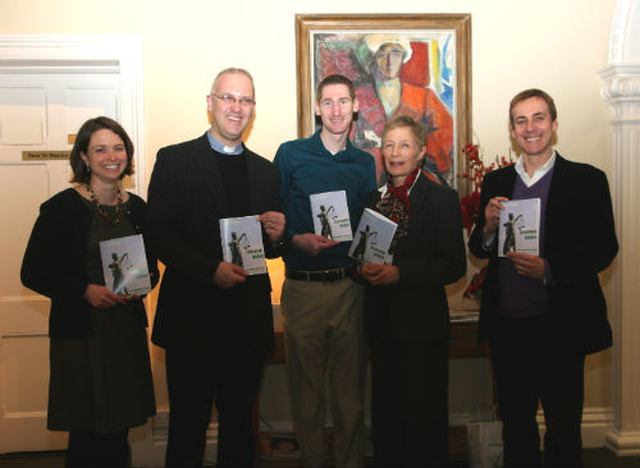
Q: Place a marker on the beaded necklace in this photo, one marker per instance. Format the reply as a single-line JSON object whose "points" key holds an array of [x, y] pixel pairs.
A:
{"points": [[118, 210]]}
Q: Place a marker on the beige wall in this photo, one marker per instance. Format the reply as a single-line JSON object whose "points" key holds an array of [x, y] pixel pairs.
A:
{"points": [[556, 45]]}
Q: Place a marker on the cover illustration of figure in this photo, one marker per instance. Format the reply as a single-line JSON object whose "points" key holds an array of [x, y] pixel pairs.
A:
{"points": [[364, 241], [510, 234], [324, 221], [236, 250], [118, 274]]}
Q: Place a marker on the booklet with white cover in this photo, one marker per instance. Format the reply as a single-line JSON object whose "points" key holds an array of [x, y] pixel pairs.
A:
{"points": [[373, 238], [330, 214], [519, 228], [242, 243], [124, 265]]}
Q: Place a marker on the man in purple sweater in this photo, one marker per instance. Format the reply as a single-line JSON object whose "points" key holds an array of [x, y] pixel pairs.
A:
{"points": [[544, 313]]}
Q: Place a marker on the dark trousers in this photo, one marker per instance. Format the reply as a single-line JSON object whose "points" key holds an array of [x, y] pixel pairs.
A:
{"points": [[196, 380], [100, 450], [531, 366], [410, 414]]}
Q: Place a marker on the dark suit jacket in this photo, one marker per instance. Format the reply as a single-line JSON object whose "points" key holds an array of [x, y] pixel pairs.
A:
{"points": [[186, 200], [580, 242], [429, 257]]}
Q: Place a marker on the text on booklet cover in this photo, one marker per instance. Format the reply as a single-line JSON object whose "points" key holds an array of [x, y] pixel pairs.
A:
{"points": [[519, 228], [124, 265], [242, 243], [330, 214], [373, 238]]}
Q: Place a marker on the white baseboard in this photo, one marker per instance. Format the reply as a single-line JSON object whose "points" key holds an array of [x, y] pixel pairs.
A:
{"points": [[623, 444], [148, 443], [596, 425]]}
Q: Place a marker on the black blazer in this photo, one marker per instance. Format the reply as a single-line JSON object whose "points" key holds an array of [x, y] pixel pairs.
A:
{"points": [[186, 200], [54, 262], [429, 257], [580, 242]]}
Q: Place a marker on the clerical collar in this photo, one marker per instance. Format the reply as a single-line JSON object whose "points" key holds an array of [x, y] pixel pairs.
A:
{"points": [[222, 148]]}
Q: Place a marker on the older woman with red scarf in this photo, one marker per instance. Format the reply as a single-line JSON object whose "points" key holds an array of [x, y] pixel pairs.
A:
{"points": [[407, 314]]}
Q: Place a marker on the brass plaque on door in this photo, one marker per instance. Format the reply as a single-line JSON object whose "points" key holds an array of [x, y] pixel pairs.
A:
{"points": [[45, 155]]}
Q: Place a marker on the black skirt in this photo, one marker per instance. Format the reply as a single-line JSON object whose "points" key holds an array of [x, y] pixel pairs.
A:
{"points": [[102, 383]]}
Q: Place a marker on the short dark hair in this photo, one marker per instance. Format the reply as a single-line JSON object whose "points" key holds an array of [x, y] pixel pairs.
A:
{"points": [[531, 93], [81, 173], [417, 130], [335, 79]]}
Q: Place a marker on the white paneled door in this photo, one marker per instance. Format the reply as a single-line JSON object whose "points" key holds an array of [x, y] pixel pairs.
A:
{"points": [[43, 102]]}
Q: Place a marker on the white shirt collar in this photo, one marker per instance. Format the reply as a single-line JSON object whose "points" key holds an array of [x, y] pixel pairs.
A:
{"points": [[538, 174]]}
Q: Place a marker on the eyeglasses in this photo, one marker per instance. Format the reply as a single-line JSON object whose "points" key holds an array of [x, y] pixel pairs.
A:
{"points": [[230, 100]]}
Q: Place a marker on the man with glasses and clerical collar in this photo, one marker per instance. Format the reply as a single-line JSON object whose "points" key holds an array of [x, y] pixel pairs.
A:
{"points": [[322, 305], [213, 319]]}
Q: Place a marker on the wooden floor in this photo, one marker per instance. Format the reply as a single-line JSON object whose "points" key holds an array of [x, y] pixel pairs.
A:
{"points": [[594, 458]]}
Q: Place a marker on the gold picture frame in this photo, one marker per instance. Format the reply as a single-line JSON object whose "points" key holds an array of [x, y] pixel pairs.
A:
{"points": [[434, 75]]}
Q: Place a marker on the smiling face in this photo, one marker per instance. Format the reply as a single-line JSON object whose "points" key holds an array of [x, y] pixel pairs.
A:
{"points": [[106, 156], [229, 120], [402, 153], [336, 108], [532, 127]]}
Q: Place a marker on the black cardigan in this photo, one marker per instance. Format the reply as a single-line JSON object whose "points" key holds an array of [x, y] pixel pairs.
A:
{"points": [[54, 262]]}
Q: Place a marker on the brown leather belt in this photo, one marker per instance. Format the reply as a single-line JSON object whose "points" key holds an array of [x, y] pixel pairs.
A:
{"points": [[326, 276]]}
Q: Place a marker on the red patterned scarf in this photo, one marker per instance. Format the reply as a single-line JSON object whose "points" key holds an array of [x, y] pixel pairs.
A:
{"points": [[395, 206]]}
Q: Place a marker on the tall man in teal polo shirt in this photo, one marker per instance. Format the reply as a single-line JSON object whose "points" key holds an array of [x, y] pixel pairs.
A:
{"points": [[322, 305]]}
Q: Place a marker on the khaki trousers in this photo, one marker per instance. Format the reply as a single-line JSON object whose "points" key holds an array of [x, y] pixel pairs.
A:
{"points": [[324, 339]]}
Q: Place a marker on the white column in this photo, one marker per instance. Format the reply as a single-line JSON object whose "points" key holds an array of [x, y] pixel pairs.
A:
{"points": [[621, 90]]}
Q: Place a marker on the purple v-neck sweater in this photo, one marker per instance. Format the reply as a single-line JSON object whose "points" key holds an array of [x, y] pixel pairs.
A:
{"points": [[520, 296]]}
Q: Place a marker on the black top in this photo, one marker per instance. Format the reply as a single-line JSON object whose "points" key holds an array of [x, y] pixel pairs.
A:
{"points": [[233, 169], [54, 263]]}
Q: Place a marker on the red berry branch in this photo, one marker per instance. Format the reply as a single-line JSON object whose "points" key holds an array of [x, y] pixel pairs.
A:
{"points": [[471, 204], [475, 174]]}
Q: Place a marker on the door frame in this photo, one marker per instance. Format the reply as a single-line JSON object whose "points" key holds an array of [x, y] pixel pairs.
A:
{"points": [[119, 55], [107, 53]]}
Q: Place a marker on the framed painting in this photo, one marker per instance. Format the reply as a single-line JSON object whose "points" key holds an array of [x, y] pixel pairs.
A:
{"points": [[417, 65]]}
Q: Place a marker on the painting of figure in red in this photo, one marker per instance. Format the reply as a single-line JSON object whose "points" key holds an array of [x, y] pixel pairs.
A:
{"points": [[397, 74]]}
